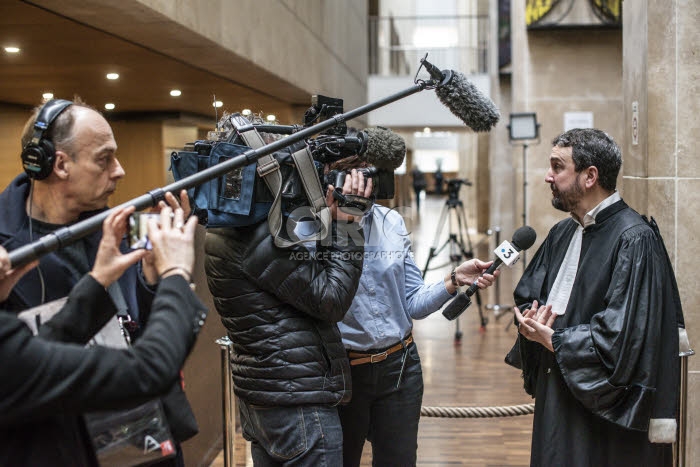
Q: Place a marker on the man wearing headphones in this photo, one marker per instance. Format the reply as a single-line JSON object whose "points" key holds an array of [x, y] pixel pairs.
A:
{"points": [[70, 171]]}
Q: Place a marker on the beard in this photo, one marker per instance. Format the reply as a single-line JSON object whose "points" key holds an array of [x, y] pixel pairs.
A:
{"points": [[568, 200]]}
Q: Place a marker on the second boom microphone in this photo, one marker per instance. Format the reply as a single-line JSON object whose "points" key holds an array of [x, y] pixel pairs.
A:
{"points": [[506, 253]]}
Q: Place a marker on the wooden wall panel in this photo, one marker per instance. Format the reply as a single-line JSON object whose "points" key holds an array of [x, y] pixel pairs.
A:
{"points": [[140, 151], [12, 119]]}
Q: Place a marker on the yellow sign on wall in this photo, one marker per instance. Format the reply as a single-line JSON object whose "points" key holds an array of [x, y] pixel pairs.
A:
{"points": [[610, 9], [604, 12], [535, 10]]}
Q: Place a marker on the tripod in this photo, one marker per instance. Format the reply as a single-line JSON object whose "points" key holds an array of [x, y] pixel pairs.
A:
{"points": [[455, 240]]}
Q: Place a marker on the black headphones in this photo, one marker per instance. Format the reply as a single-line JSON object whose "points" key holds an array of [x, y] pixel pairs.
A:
{"points": [[39, 154]]}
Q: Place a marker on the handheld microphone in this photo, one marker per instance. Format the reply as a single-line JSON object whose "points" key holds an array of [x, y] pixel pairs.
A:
{"points": [[506, 253], [463, 99]]}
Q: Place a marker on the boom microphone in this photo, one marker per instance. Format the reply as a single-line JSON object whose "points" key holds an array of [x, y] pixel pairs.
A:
{"points": [[470, 106], [506, 253], [463, 99]]}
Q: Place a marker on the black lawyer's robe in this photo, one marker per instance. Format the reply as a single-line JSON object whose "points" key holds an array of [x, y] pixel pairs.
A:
{"points": [[615, 363]]}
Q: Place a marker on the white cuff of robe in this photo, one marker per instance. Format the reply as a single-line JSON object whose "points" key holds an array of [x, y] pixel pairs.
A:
{"points": [[662, 430]]}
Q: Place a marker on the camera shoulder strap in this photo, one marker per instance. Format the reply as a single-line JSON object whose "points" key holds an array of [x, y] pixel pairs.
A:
{"points": [[314, 192], [268, 169]]}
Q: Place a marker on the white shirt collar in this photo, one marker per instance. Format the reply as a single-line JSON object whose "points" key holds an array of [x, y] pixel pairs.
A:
{"points": [[589, 218]]}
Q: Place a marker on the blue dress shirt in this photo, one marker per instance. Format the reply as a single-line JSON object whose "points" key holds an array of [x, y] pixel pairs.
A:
{"points": [[391, 293]]}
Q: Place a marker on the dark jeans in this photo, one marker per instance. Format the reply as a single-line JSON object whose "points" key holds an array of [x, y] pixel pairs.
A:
{"points": [[386, 416], [286, 436]]}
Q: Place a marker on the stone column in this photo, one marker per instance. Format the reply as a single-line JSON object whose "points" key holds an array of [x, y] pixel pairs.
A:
{"points": [[661, 172]]}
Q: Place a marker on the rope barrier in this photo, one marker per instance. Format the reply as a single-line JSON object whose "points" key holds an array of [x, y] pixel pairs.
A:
{"points": [[478, 412]]}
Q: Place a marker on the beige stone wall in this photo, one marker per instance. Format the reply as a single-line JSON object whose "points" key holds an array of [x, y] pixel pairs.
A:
{"points": [[662, 172], [554, 72], [560, 81], [12, 120], [285, 49], [328, 39], [140, 152]]}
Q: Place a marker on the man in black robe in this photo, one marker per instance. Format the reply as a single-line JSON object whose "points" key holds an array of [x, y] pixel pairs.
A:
{"points": [[601, 356]]}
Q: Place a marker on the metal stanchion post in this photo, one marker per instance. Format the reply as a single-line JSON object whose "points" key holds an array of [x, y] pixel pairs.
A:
{"points": [[228, 402], [684, 352]]}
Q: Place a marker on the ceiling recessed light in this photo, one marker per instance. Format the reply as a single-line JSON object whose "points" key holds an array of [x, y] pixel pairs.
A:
{"points": [[217, 104], [109, 106], [47, 96], [12, 49], [112, 75], [271, 118], [175, 93], [246, 112]]}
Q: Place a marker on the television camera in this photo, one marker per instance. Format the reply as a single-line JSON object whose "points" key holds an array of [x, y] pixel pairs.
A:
{"points": [[378, 147], [240, 197], [451, 87]]}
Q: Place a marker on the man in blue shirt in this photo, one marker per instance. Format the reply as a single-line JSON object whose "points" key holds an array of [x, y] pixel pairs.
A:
{"points": [[387, 381]]}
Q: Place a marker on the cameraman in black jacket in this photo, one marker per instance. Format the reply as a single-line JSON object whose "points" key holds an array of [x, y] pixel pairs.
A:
{"points": [[280, 307], [46, 385]]}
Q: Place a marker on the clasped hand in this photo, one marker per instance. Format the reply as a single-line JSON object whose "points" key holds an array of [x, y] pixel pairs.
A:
{"points": [[536, 324]]}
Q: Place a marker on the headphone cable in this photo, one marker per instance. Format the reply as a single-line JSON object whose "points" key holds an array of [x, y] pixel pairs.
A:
{"points": [[31, 239]]}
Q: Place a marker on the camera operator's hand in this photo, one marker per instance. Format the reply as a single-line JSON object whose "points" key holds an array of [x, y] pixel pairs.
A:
{"points": [[469, 272], [148, 266], [110, 262], [173, 243], [354, 185], [8, 276]]}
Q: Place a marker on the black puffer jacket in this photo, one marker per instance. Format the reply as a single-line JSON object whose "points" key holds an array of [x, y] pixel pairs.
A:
{"points": [[280, 308]]}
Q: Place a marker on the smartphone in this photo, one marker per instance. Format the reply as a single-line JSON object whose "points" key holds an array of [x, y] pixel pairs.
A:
{"points": [[138, 229]]}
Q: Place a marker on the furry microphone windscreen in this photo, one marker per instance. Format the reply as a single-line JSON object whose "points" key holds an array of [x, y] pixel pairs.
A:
{"points": [[467, 103], [385, 149]]}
